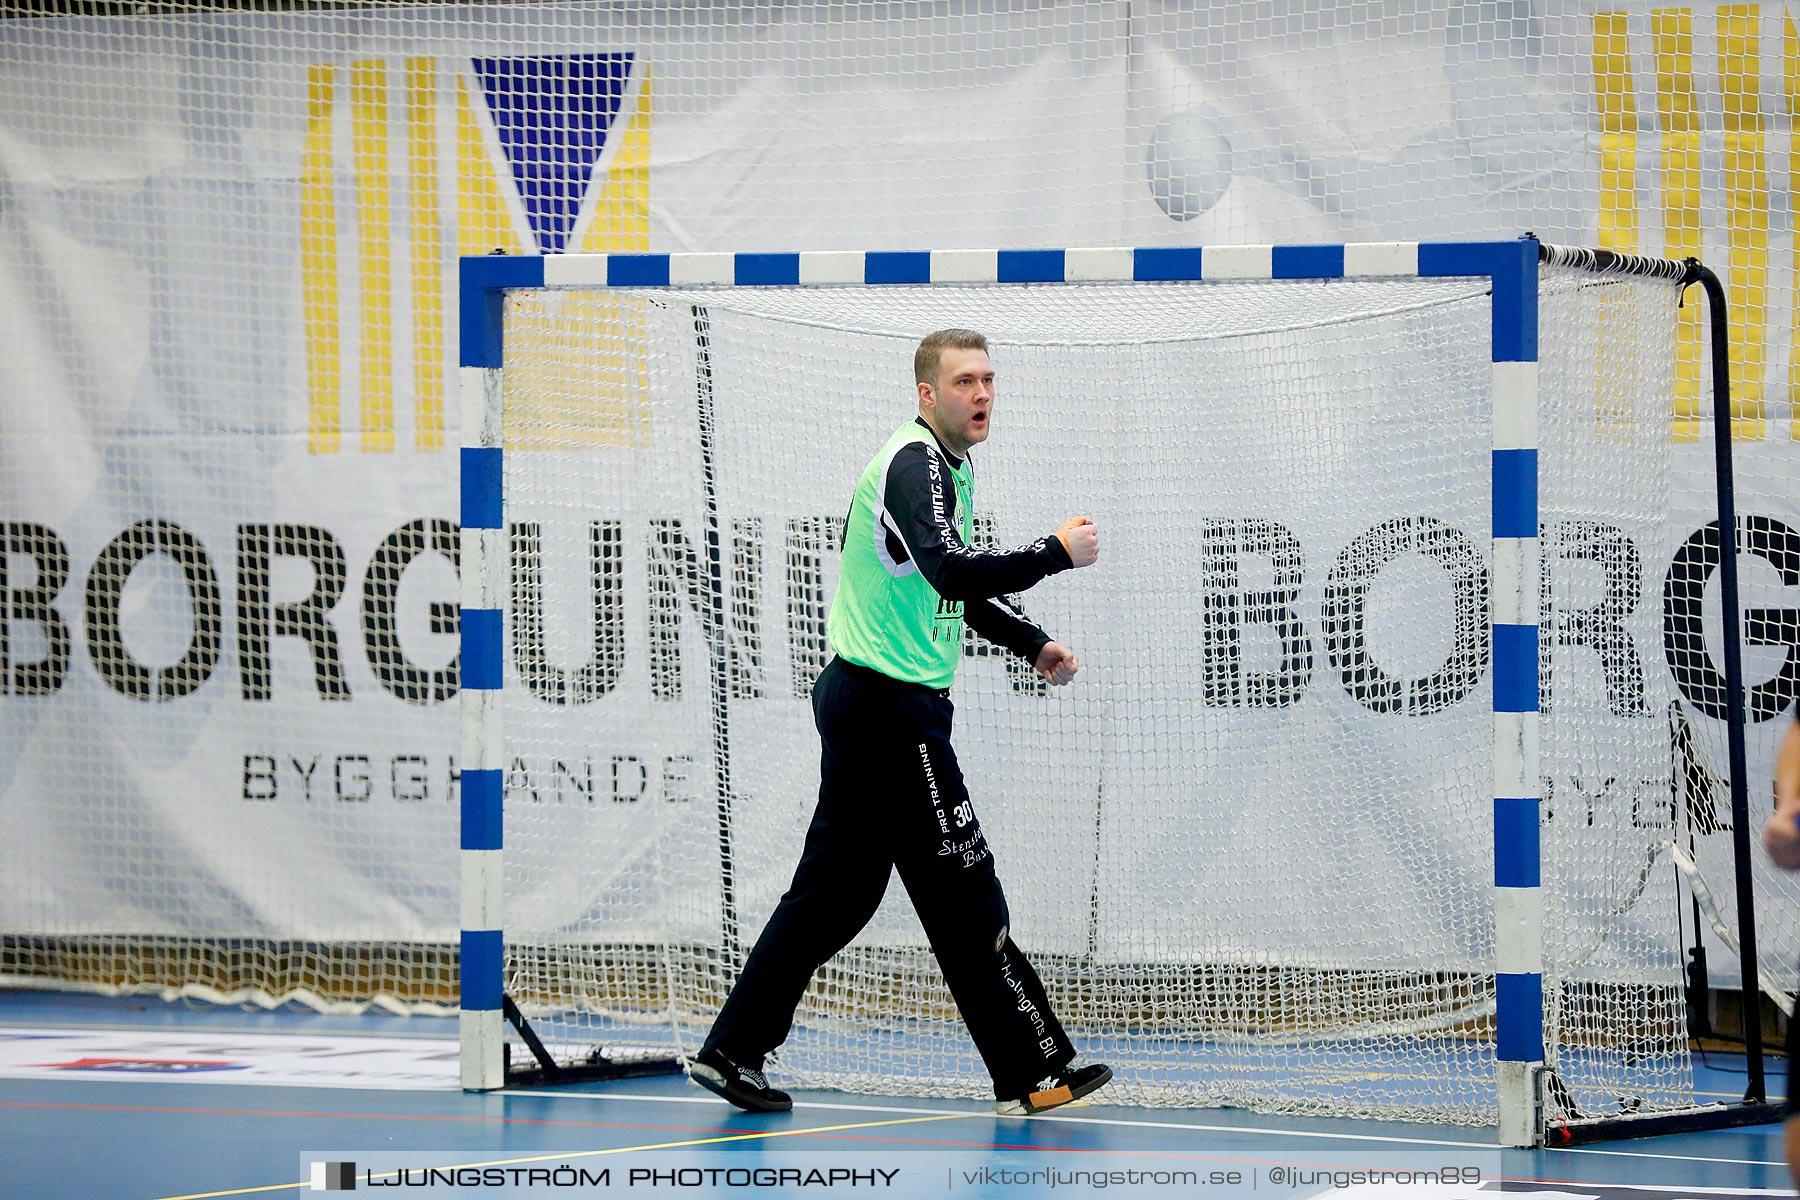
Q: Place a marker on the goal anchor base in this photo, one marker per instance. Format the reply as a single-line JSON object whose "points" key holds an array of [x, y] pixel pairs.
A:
{"points": [[1756, 1112], [599, 1063]]}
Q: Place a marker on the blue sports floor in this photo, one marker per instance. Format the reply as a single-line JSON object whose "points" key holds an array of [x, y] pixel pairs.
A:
{"points": [[134, 1099]]}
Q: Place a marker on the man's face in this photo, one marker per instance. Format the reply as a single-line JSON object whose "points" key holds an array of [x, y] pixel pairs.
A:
{"points": [[960, 405]]}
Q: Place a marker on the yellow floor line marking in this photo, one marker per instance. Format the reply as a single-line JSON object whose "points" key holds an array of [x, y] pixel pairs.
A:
{"points": [[565, 1157]]}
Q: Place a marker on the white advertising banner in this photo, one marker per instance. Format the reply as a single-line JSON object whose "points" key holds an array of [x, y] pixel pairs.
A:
{"points": [[228, 415]]}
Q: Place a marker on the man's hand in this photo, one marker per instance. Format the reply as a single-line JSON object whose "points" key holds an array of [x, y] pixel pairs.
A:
{"points": [[1057, 663], [1081, 540], [1781, 838]]}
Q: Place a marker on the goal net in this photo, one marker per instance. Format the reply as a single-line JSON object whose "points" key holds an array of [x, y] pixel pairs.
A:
{"points": [[1252, 850], [228, 519]]}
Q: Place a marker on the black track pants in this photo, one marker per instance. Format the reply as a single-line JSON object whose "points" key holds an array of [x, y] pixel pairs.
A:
{"points": [[892, 795]]}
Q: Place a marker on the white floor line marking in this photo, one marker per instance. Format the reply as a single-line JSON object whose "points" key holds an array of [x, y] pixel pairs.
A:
{"points": [[447, 1037]]}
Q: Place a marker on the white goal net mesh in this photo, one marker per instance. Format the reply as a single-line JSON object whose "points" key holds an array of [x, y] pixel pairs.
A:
{"points": [[1251, 848]]}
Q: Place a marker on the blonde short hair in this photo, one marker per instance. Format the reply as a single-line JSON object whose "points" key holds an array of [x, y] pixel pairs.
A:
{"points": [[931, 351]]}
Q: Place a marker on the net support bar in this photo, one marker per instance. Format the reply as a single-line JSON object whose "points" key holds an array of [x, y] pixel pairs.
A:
{"points": [[1755, 1108]]}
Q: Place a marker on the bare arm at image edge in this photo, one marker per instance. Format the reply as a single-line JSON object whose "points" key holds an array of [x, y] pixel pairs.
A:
{"points": [[1781, 836]]}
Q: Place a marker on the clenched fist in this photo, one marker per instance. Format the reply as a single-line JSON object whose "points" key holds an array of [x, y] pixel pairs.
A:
{"points": [[1081, 539], [1057, 663]]}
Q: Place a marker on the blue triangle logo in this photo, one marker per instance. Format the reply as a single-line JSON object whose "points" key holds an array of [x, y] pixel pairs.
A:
{"points": [[553, 114]]}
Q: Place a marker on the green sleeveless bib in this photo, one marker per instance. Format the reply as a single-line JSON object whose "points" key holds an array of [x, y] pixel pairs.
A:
{"points": [[885, 616]]}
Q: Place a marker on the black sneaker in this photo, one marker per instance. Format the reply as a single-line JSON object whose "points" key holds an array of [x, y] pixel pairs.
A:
{"points": [[741, 1085], [1071, 1083]]}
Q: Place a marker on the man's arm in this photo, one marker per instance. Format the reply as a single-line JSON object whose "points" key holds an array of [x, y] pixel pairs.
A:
{"points": [[1001, 623], [997, 620], [916, 509], [1781, 836]]}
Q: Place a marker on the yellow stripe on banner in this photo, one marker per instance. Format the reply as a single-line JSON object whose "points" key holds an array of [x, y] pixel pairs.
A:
{"points": [[1746, 213], [621, 221], [591, 348], [368, 119], [615, 410], [483, 220], [318, 265], [427, 256], [1791, 87], [1672, 39], [1616, 104], [1617, 107]]}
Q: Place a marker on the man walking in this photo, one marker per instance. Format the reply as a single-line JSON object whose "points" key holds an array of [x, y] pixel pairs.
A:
{"points": [[891, 795]]}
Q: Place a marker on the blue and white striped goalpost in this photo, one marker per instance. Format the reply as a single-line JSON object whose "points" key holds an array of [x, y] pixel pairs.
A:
{"points": [[485, 579], [1513, 601], [1512, 271]]}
